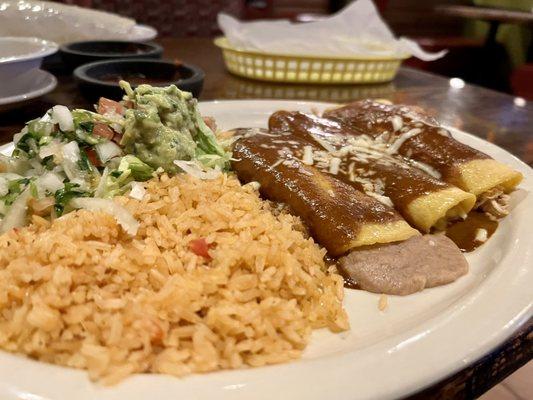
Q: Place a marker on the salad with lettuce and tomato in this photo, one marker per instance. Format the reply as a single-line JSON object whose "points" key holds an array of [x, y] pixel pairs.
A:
{"points": [[69, 159]]}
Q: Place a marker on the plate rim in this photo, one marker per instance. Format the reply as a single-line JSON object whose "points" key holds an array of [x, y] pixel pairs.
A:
{"points": [[49, 47], [32, 94], [479, 352]]}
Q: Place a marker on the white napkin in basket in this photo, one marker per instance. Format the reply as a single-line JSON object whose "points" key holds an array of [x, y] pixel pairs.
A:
{"points": [[357, 30]]}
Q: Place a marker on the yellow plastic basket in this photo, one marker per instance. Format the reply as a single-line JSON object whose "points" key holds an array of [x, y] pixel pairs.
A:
{"points": [[307, 69]]}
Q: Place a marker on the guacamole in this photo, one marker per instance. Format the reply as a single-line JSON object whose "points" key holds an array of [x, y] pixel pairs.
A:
{"points": [[165, 125]]}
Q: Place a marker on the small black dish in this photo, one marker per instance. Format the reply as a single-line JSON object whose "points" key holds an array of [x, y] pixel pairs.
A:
{"points": [[78, 53], [101, 78]]}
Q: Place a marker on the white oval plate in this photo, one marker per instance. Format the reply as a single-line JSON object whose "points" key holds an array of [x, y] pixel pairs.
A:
{"points": [[418, 340], [33, 84], [17, 49]]}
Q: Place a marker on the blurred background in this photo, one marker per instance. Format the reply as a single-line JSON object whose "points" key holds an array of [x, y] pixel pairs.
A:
{"points": [[489, 41]]}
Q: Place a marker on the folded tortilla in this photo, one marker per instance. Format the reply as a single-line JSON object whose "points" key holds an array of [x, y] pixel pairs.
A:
{"points": [[338, 216], [425, 202], [418, 137]]}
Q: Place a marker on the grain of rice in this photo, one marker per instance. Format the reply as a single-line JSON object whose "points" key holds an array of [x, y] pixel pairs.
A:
{"points": [[383, 302]]}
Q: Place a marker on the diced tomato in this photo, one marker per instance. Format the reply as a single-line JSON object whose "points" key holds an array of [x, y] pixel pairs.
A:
{"points": [[93, 157], [128, 104], [103, 130], [200, 247], [106, 106], [210, 122]]}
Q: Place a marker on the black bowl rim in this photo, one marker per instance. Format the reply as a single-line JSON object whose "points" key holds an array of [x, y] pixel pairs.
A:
{"points": [[81, 72], [154, 49]]}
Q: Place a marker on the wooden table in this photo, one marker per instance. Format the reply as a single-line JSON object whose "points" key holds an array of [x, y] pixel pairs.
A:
{"points": [[487, 14], [490, 115]]}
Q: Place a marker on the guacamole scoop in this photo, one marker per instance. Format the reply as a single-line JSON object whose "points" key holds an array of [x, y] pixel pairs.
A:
{"points": [[165, 125]]}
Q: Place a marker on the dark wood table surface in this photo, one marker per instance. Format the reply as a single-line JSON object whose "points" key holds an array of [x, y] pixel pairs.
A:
{"points": [[487, 14], [493, 116]]}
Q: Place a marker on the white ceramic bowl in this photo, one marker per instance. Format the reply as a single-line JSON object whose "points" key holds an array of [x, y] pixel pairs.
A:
{"points": [[20, 55]]}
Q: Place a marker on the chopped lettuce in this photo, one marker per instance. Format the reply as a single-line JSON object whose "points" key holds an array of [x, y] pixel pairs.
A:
{"points": [[139, 170], [115, 182]]}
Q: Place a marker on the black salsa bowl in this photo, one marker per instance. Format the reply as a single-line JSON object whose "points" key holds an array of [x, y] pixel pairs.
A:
{"points": [[101, 78]]}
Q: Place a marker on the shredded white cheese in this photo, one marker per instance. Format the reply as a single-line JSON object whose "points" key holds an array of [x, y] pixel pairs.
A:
{"points": [[324, 143], [254, 185], [428, 169], [401, 140], [499, 207], [278, 162], [481, 235], [334, 165], [308, 155], [382, 199], [397, 123]]}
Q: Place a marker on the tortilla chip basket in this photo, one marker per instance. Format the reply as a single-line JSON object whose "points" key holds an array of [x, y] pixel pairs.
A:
{"points": [[308, 69]]}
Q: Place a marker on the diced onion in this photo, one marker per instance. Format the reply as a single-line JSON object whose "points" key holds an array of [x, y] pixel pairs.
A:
{"points": [[71, 151], [107, 150], [4, 187], [123, 216], [50, 181], [137, 191], [194, 169], [50, 149], [18, 136], [46, 118], [63, 117], [71, 156], [16, 216]]}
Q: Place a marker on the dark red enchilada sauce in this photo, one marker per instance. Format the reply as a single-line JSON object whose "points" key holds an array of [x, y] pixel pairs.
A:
{"points": [[463, 233]]}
